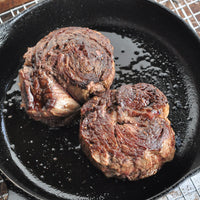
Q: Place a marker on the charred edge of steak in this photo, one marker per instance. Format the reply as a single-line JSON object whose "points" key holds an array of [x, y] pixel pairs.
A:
{"points": [[125, 145]]}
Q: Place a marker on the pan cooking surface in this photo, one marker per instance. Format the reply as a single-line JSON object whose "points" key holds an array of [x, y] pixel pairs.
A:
{"points": [[52, 157]]}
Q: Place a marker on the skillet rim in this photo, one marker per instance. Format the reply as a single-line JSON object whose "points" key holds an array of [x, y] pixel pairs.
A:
{"points": [[8, 24]]}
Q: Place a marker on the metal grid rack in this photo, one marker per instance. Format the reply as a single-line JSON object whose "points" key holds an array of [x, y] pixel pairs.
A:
{"points": [[189, 10], [16, 11]]}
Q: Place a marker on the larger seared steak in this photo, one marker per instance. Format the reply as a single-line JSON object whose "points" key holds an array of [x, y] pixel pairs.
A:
{"points": [[62, 71], [126, 133]]}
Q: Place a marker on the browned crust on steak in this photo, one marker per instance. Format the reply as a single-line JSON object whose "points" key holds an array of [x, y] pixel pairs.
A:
{"points": [[131, 144], [83, 59], [63, 70], [144, 99]]}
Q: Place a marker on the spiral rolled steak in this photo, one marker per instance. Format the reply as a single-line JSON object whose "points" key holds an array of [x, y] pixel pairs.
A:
{"points": [[125, 132], [62, 71]]}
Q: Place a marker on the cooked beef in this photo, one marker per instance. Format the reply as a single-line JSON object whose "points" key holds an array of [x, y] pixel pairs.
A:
{"points": [[62, 71], [126, 133], [44, 99]]}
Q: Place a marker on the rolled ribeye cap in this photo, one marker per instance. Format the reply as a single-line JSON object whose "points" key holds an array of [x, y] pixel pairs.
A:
{"points": [[125, 132], [62, 71]]}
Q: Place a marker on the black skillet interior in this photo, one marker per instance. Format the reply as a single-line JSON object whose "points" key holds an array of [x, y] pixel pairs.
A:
{"points": [[151, 45]]}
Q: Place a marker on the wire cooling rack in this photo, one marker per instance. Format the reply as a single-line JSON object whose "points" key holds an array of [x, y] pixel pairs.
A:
{"points": [[189, 10], [16, 11]]}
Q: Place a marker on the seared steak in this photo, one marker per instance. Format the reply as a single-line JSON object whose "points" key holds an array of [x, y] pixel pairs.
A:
{"points": [[126, 133], [62, 71]]}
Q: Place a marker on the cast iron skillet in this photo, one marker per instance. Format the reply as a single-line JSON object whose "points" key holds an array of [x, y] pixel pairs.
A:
{"points": [[151, 45]]}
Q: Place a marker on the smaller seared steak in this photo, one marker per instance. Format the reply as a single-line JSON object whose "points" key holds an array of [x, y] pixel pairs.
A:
{"points": [[126, 133], [62, 71]]}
